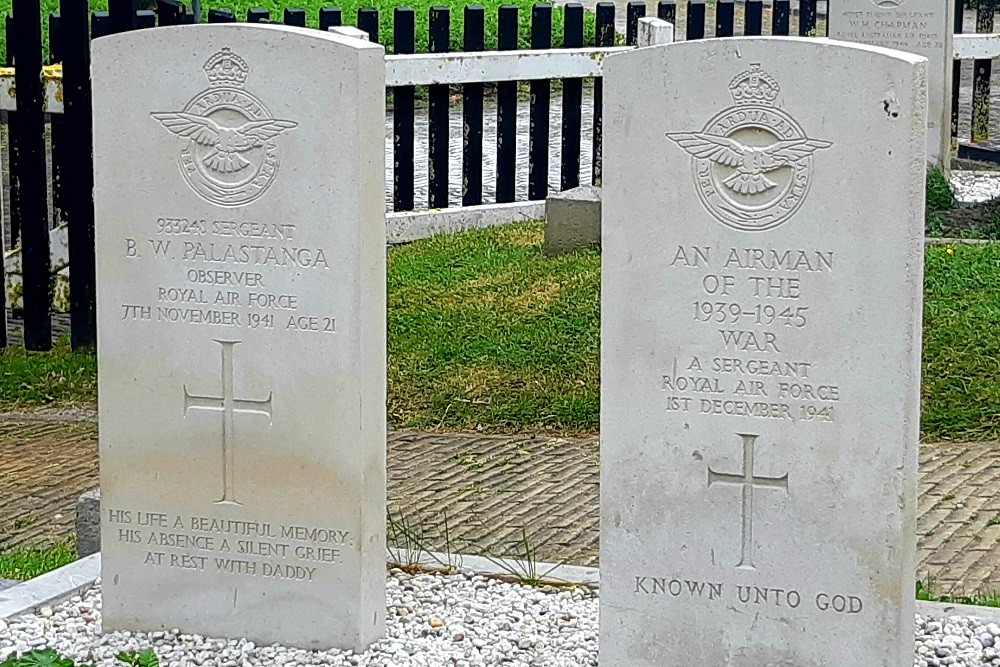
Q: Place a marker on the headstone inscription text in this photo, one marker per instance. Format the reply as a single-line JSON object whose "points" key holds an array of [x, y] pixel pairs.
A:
{"points": [[923, 27], [241, 311], [760, 354]]}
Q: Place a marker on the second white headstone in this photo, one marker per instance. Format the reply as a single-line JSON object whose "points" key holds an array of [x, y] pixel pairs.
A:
{"points": [[760, 354]]}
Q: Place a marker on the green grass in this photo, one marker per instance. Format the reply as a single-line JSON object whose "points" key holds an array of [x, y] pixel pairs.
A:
{"points": [[939, 194], [24, 564], [961, 374], [350, 12], [29, 379], [925, 591], [486, 332]]}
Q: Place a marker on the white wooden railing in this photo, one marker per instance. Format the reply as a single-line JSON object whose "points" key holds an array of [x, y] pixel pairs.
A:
{"points": [[485, 66]]}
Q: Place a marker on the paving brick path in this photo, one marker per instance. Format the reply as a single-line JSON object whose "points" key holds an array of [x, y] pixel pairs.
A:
{"points": [[502, 494]]}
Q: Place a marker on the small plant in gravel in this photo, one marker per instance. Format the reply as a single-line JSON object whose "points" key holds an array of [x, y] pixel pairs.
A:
{"points": [[43, 658], [409, 545], [49, 658], [522, 565], [144, 658]]}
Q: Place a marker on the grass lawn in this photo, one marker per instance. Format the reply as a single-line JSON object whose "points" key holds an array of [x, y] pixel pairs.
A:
{"points": [[350, 12], [961, 391], [485, 332], [24, 564], [29, 379]]}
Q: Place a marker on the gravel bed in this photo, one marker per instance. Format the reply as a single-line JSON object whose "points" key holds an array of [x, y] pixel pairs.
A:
{"points": [[975, 186], [434, 620], [956, 640], [459, 620]]}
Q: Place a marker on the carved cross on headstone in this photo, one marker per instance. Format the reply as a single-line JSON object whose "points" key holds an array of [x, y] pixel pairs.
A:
{"points": [[748, 481], [229, 406]]}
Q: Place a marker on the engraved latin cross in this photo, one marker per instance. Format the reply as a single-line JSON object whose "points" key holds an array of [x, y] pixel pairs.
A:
{"points": [[229, 406], [748, 481]]}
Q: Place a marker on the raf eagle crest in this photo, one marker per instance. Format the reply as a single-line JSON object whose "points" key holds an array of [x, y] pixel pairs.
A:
{"points": [[231, 155], [752, 163]]}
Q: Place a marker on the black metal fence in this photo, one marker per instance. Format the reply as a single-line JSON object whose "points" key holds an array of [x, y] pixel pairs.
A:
{"points": [[69, 147], [64, 141]]}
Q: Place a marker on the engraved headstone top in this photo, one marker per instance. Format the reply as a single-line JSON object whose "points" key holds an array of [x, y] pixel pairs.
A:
{"points": [[923, 27], [241, 312], [761, 305]]}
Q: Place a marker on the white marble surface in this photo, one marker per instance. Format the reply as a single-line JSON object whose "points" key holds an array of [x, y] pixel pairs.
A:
{"points": [[241, 333], [760, 354]]}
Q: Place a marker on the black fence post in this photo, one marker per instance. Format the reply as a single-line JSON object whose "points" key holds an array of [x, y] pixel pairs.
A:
{"points": [[604, 35], [956, 72], [982, 69], [257, 15], [295, 16], [666, 10], [122, 15], [753, 18], [368, 21], [403, 40], [168, 12], [14, 147], [145, 18], [474, 39], [439, 41], [540, 92], [78, 192], [56, 123], [35, 258], [807, 18], [572, 102], [725, 18], [507, 34], [330, 17], [100, 24], [634, 11], [781, 11], [221, 16], [696, 19]]}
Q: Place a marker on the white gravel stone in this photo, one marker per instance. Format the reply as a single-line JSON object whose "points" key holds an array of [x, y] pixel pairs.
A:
{"points": [[434, 619], [975, 186], [956, 640], [484, 622]]}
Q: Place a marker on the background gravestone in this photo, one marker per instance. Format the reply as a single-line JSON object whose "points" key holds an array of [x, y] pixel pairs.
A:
{"points": [[761, 309], [923, 27], [241, 311]]}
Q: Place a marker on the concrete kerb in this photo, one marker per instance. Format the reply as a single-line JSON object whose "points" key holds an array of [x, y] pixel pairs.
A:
{"points": [[954, 241], [70, 580], [50, 588]]}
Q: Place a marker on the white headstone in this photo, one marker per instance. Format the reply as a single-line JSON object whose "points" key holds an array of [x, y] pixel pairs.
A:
{"points": [[923, 27], [241, 317], [761, 311]]}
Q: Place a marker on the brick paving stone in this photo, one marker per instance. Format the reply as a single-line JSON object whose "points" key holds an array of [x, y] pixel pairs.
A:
{"points": [[510, 496], [44, 467]]}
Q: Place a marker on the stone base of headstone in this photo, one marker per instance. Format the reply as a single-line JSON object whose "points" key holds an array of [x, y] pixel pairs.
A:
{"points": [[88, 523], [573, 220], [980, 151]]}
